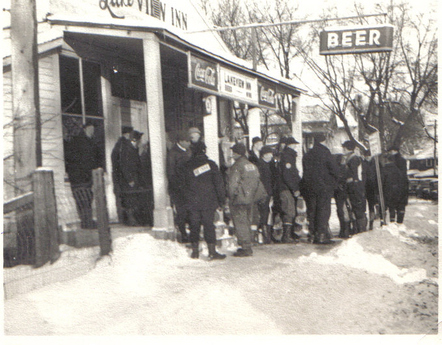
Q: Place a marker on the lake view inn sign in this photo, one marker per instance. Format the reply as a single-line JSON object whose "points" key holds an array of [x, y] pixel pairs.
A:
{"points": [[356, 40], [154, 8]]}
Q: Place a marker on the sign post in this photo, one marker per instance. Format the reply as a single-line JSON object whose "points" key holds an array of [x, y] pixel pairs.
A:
{"points": [[376, 151]]}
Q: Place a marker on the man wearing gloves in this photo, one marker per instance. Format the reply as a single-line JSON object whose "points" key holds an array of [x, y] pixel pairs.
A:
{"points": [[204, 191]]}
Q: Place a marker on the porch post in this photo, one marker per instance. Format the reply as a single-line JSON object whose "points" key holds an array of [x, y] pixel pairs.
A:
{"points": [[163, 216], [297, 130], [254, 124], [211, 130]]}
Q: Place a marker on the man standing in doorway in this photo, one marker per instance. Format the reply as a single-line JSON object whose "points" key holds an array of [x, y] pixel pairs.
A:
{"points": [[124, 140], [178, 155], [289, 190], [318, 184], [83, 156]]}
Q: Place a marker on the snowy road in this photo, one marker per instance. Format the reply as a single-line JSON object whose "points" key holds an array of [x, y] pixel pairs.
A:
{"points": [[379, 282]]}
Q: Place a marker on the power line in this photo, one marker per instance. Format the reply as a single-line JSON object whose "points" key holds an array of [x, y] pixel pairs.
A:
{"points": [[261, 25]]}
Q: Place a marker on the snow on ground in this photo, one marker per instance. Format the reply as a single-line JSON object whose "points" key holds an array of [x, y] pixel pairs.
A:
{"points": [[379, 282], [352, 254]]}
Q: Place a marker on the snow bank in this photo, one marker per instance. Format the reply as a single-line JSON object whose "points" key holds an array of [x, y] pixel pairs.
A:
{"points": [[378, 251]]}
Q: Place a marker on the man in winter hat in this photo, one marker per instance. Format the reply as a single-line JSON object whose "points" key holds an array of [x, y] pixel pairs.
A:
{"points": [[243, 179], [204, 190]]}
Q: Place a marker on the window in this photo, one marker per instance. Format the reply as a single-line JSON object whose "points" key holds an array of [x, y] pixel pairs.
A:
{"points": [[71, 86], [128, 86]]}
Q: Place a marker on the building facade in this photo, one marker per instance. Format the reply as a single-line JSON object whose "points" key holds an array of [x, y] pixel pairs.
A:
{"points": [[140, 63]]}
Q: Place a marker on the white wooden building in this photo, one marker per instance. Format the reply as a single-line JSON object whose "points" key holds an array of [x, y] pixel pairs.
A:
{"points": [[135, 63]]}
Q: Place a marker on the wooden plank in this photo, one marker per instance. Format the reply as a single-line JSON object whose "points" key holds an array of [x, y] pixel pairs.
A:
{"points": [[18, 202], [104, 236], [45, 217]]}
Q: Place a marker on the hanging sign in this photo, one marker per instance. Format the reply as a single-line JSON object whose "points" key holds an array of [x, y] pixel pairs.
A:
{"points": [[356, 40], [375, 143], [266, 95], [203, 73], [238, 86]]}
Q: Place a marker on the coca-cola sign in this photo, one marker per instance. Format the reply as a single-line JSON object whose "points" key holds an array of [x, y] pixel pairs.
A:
{"points": [[203, 73], [267, 95]]}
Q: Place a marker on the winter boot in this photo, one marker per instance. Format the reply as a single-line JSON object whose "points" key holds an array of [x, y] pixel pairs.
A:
{"points": [[286, 231], [246, 250], [266, 234], [361, 224], [400, 217], [345, 230], [275, 235], [184, 236], [293, 233], [131, 221], [213, 254], [195, 250]]}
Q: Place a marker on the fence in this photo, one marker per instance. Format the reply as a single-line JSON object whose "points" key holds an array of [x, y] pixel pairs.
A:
{"points": [[32, 219], [32, 236]]}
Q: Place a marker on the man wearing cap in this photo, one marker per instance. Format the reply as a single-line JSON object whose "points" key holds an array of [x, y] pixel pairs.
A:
{"points": [[355, 185], [177, 156], [243, 180], [265, 173], [289, 190], [255, 151], [194, 135], [123, 141], [204, 193], [130, 182], [318, 184], [83, 156]]}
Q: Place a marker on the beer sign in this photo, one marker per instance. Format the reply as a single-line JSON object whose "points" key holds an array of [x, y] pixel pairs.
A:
{"points": [[356, 40]]}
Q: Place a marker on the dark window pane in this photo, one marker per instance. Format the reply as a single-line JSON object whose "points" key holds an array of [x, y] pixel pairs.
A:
{"points": [[92, 85], [128, 86], [70, 85]]}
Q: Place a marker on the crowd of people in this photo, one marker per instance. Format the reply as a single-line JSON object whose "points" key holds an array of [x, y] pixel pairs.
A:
{"points": [[265, 183], [261, 185]]}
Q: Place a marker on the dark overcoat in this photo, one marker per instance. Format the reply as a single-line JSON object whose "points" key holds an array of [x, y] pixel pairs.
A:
{"points": [[395, 186], [82, 156], [320, 170], [289, 172], [203, 184]]}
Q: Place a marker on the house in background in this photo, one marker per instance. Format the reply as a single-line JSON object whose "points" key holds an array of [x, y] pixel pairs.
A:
{"points": [[316, 119]]}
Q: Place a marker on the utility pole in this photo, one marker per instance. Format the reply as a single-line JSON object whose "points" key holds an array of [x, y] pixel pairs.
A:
{"points": [[25, 93]]}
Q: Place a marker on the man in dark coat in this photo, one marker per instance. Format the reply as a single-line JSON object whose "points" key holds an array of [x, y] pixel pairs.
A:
{"points": [[319, 181], [289, 190], [266, 176], [254, 153], [355, 185], [204, 193], [371, 187], [124, 140], [340, 195], [146, 199], [178, 155], [395, 184], [131, 180], [83, 156]]}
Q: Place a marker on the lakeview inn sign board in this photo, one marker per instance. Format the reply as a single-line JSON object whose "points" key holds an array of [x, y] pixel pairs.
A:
{"points": [[351, 40]]}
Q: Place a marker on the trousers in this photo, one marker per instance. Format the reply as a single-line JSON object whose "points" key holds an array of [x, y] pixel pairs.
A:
{"points": [[241, 216]]}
